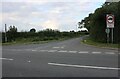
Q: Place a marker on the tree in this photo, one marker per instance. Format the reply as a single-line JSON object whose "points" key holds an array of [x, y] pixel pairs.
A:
{"points": [[86, 21], [32, 30], [96, 22], [12, 33]]}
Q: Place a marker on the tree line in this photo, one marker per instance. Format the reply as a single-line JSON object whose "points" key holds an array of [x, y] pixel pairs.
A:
{"points": [[43, 35], [96, 22]]}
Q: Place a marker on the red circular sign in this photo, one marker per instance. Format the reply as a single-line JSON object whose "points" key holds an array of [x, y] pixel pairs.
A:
{"points": [[110, 18]]}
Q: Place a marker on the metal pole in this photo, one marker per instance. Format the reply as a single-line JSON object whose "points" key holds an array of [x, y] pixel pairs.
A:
{"points": [[107, 31], [112, 35], [107, 37], [5, 33]]}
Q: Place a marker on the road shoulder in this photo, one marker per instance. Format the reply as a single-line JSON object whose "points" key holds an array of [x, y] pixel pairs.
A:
{"points": [[87, 41]]}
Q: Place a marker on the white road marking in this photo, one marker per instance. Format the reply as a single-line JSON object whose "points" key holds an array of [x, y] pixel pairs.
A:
{"points": [[72, 51], [52, 50], [96, 52], [62, 47], [6, 59], [34, 50], [109, 53], [83, 52], [62, 51], [56, 47], [43, 50], [82, 66]]}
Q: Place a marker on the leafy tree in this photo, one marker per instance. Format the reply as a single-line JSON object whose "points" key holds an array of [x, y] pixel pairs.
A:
{"points": [[32, 30], [12, 33], [96, 22]]}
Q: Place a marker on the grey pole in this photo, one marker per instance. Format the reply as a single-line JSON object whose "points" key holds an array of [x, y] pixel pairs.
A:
{"points": [[108, 31], [112, 35], [108, 38], [5, 33]]}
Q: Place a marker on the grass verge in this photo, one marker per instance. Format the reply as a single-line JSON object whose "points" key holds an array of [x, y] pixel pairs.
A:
{"points": [[30, 41], [89, 41]]}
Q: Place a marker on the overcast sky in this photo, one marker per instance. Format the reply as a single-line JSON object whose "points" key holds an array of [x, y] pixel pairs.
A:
{"points": [[42, 14]]}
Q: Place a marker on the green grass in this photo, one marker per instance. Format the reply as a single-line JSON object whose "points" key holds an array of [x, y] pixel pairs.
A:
{"points": [[26, 41], [35, 41], [89, 41]]}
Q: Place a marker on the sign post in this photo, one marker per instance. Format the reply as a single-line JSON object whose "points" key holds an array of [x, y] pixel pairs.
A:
{"points": [[110, 23], [107, 31]]}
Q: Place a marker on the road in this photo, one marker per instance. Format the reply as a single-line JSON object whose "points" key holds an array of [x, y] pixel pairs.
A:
{"points": [[68, 58]]}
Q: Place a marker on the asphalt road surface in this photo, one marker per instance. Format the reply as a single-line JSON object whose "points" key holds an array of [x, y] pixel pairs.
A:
{"points": [[68, 58]]}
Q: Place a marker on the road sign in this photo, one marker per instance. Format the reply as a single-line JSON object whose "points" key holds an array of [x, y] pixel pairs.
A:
{"points": [[110, 20]]}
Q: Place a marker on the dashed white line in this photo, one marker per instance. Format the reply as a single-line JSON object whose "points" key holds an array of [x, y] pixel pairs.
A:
{"points": [[83, 52], [62, 47], [62, 51], [6, 59], [84, 66], [34, 50], [43, 50], [56, 47], [80, 52], [52, 50], [109, 53], [72, 51], [96, 52]]}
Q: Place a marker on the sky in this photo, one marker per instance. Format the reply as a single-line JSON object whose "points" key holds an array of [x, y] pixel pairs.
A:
{"points": [[41, 14]]}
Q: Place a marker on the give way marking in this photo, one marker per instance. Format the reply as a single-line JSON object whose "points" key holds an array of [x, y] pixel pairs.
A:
{"points": [[82, 66]]}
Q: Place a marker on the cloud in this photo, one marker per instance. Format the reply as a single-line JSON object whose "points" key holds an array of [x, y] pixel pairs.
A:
{"points": [[53, 24], [43, 14], [56, 11], [42, 1]]}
